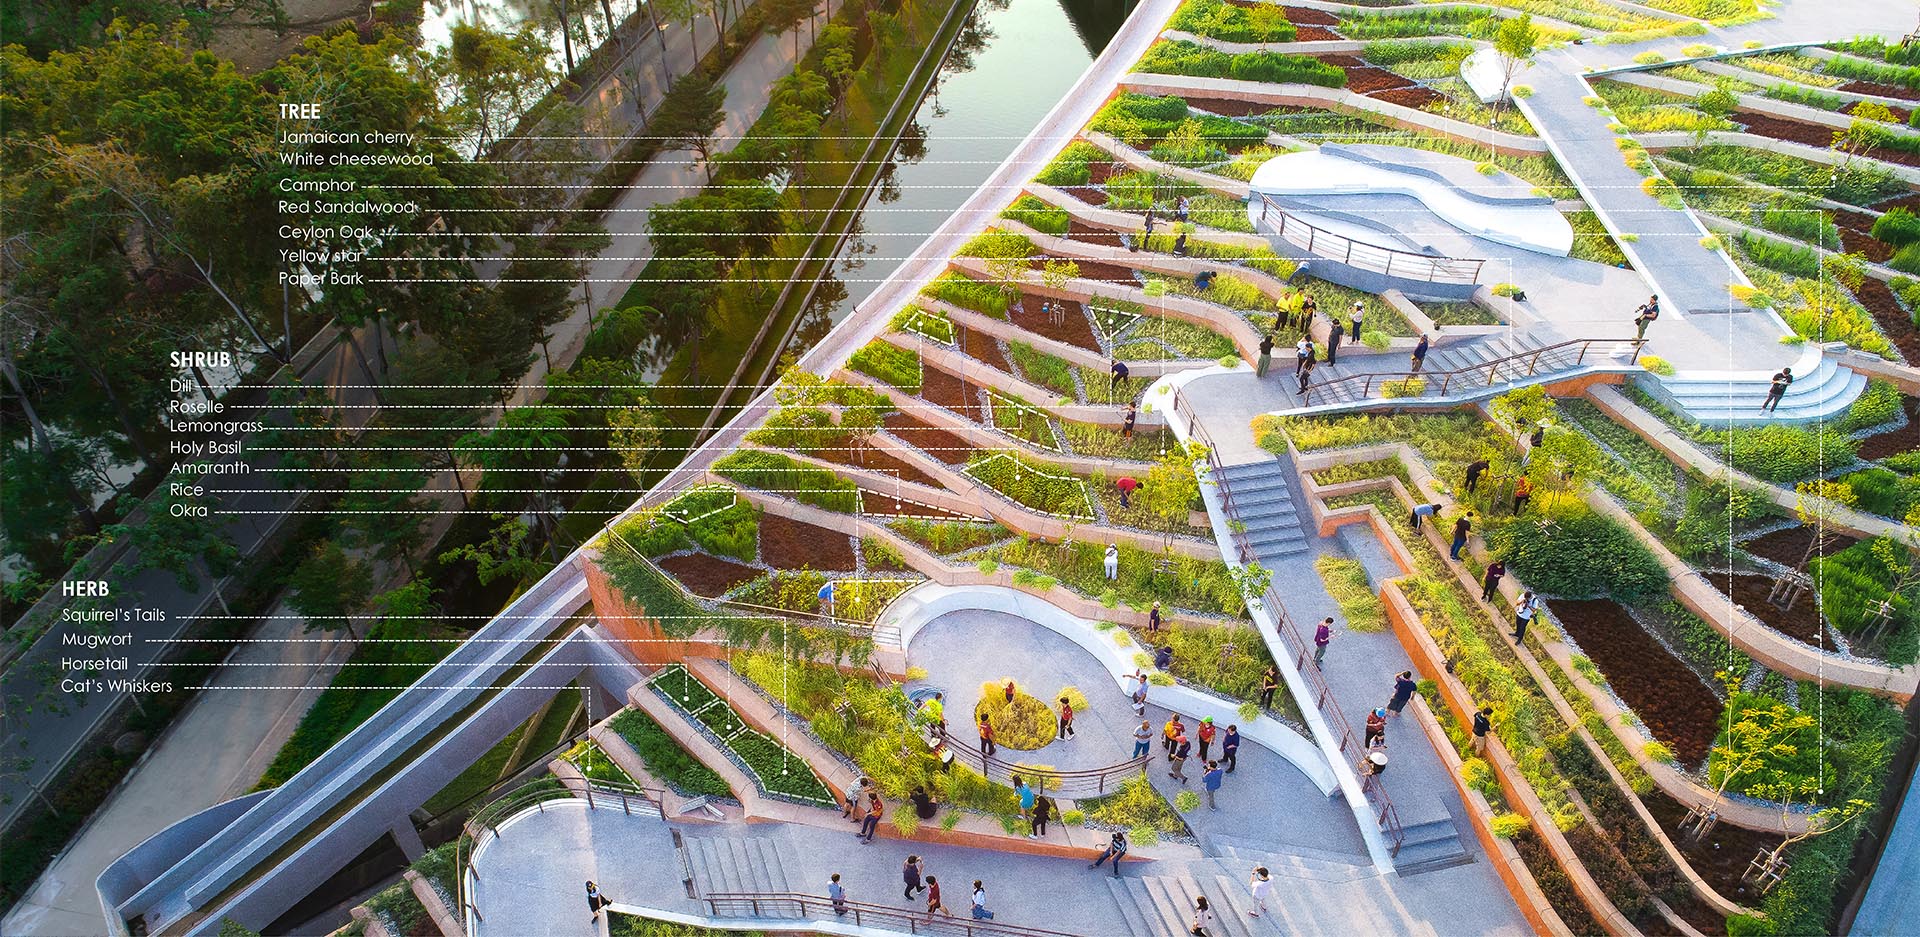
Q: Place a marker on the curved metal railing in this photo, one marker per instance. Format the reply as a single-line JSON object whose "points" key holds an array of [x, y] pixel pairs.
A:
{"points": [[1091, 782], [1498, 371], [486, 822], [792, 906], [1387, 261]]}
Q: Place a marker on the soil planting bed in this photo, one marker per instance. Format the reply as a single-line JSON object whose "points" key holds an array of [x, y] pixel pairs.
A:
{"points": [[939, 387], [1304, 16], [789, 544], [1904, 439], [1860, 242], [1673, 702], [1081, 231], [980, 347], [1878, 299], [1092, 195], [707, 575], [1721, 857], [1099, 172], [874, 460], [1876, 88], [1801, 623], [1415, 96], [938, 443], [1813, 135], [1105, 272], [1363, 78], [1227, 107], [1073, 327], [1900, 114], [1789, 545], [873, 502], [1910, 202]]}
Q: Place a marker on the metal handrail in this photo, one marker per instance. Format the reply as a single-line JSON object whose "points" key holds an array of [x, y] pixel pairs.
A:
{"points": [[490, 818], [1374, 789], [1389, 261], [1070, 783], [848, 625], [811, 907], [1488, 371]]}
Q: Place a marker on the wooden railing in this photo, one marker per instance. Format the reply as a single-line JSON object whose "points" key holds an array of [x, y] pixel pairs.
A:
{"points": [[1504, 370], [1348, 744], [793, 906], [1345, 250]]}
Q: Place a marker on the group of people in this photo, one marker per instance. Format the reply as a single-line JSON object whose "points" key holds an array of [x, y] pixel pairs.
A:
{"points": [[1179, 747], [919, 885]]}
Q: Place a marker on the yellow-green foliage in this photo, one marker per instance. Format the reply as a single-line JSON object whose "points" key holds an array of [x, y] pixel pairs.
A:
{"points": [[1024, 724], [1136, 806], [1509, 825]]}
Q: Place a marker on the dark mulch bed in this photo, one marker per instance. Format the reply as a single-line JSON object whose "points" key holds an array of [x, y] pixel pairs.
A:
{"points": [[1302, 16], [1080, 231], [1885, 91], [1073, 327], [875, 460], [1811, 134], [1787, 546], [949, 391], [1720, 857], [1863, 243], [1904, 439], [1674, 703], [980, 347], [874, 502], [707, 575], [1227, 107], [1315, 34], [938, 443], [1910, 202], [1108, 273], [1900, 114], [1087, 193], [1801, 622], [1416, 96], [1894, 321], [789, 544], [1099, 172], [1363, 78]]}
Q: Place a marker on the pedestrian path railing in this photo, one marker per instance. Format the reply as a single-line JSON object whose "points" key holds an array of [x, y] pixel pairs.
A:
{"points": [[1494, 372], [1091, 782], [1341, 249], [1323, 701], [488, 822], [749, 609], [793, 906]]}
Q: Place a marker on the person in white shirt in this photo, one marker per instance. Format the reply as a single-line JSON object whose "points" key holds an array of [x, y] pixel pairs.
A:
{"points": [[1113, 561], [1202, 917], [1354, 317], [1261, 885], [1523, 615], [980, 912]]}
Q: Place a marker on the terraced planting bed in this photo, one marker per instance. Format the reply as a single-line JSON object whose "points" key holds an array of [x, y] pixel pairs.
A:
{"points": [[1679, 709], [1070, 328], [1814, 135], [707, 575], [780, 773], [938, 443], [1801, 623], [1789, 545], [789, 544], [1721, 857], [875, 460]]}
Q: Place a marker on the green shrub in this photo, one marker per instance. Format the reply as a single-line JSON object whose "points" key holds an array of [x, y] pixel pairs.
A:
{"points": [[1578, 552], [1781, 453], [1878, 404], [889, 364], [1139, 120], [1898, 227], [968, 293], [947, 537], [664, 757], [1137, 806], [1907, 260], [770, 471], [1231, 23], [1197, 61], [1884, 492], [1039, 215], [997, 243], [1070, 167], [1041, 488]]}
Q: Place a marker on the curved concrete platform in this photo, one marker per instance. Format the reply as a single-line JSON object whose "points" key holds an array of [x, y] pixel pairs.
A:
{"points": [[1494, 208], [921, 605]]}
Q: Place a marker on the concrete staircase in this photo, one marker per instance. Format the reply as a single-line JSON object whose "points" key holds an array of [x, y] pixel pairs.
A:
{"points": [[735, 864], [1431, 845], [1821, 389], [1162, 905], [1260, 494]]}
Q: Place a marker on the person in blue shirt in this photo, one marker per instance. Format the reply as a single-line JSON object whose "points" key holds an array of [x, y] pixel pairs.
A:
{"points": [[1230, 747], [1212, 780], [1027, 798], [838, 894]]}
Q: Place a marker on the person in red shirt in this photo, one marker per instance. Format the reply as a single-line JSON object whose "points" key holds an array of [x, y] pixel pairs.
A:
{"points": [[1126, 484], [1206, 736], [1066, 718]]}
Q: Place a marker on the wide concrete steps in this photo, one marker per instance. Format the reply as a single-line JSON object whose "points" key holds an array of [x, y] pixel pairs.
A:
{"points": [[1260, 495], [1295, 863], [736, 864], [1429, 846], [1163, 905], [1820, 390]]}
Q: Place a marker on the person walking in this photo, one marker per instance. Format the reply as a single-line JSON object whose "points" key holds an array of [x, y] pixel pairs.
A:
{"points": [[1475, 469], [1116, 850], [912, 872], [1305, 374], [1147, 236], [1322, 636], [1126, 423], [1182, 750], [1419, 355], [1230, 747], [1066, 719], [1461, 528], [1333, 344], [1140, 693], [1522, 493], [1027, 798], [1119, 371], [1431, 509], [837, 894], [1269, 682], [1302, 353], [1126, 484], [1777, 390], [1112, 562], [1644, 317], [1376, 734], [1523, 615], [1044, 809], [1266, 356], [1482, 724], [986, 734], [1259, 886], [1403, 687], [595, 900], [1142, 739], [870, 827], [980, 912], [1212, 780], [1490, 583], [1153, 619], [933, 898], [1202, 918], [1173, 730], [1354, 317]]}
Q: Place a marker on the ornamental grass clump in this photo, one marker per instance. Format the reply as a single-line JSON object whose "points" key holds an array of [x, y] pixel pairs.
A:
{"points": [[1025, 724]]}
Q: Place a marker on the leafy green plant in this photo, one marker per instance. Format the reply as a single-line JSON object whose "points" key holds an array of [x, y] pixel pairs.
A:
{"points": [[1781, 453], [1168, 57], [1071, 166], [664, 758], [1575, 551], [1509, 825], [770, 471], [1231, 23], [1657, 365]]}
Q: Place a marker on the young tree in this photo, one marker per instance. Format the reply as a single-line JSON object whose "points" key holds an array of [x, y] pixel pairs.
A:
{"points": [[835, 49], [691, 114], [787, 15], [634, 434], [177, 537], [1758, 738], [509, 552], [1718, 102], [329, 586], [1515, 43], [1056, 273], [405, 611]]}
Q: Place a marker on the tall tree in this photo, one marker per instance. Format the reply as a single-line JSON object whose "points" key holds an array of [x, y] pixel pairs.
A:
{"points": [[691, 114], [329, 587]]}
